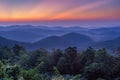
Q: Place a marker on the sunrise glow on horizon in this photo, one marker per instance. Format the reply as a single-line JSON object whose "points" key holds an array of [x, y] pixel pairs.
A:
{"points": [[59, 10]]}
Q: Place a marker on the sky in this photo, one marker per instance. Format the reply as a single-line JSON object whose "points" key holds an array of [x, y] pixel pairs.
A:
{"points": [[60, 12]]}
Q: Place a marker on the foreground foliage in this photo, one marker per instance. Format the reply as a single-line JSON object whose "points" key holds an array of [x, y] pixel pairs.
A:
{"points": [[69, 64]]}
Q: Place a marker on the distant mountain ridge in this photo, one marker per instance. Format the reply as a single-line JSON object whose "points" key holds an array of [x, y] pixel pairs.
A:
{"points": [[30, 33], [109, 44], [70, 39], [10, 43], [33, 37]]}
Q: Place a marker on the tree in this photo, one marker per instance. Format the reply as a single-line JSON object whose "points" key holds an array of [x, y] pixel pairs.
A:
{"points": [[107, 60], [2, 73], [35, 58], [13, 72], [77, 77], [55, 56], [31, 74], [5, 54], [116, 71], [102, 56], [70, 54], [62, 66], [86, 58], [20, 54], [66, 63], [95, 71], [56, 74], [18, 50]]}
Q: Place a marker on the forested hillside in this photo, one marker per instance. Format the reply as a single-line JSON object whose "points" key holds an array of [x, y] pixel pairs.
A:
{"points": [[68, 64]]}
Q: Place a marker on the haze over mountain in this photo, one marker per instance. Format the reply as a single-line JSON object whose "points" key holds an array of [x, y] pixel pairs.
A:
{"points": [[109, 44], [29, 33], [60, 37], [70, 39]]}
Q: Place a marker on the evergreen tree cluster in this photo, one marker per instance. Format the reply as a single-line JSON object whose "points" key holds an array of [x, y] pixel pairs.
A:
{"points": [[70, 64]]}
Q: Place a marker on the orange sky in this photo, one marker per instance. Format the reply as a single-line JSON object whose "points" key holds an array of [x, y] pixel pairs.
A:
{"points": [[33, 10]]}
